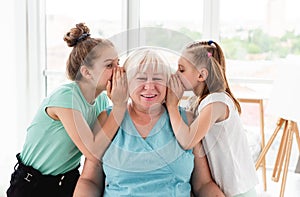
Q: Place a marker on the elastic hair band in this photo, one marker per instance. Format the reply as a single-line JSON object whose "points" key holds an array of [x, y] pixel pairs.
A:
{"points": [[209, 54], [83, 36], [210, 42]]}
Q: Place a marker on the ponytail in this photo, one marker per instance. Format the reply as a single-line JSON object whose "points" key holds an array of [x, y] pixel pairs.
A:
{"points": [[210, 53]]}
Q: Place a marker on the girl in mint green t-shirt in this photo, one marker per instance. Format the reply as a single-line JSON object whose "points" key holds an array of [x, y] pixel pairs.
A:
{"points": [[66, 124]]}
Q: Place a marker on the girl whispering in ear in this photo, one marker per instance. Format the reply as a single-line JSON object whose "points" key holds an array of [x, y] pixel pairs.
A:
{"points": [[201, 69]]}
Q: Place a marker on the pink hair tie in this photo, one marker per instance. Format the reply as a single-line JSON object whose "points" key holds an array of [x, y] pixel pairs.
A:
{"points": [[209, 54]]}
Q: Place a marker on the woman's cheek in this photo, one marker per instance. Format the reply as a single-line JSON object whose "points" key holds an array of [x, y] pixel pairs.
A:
{"points": [[136, 87]]}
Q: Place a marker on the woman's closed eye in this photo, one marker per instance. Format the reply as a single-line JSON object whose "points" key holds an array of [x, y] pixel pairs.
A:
{"points": [[142, 78], [157, 79]]}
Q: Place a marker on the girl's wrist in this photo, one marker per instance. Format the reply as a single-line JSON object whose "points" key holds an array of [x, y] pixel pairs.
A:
{"points": [[171, 106], [120, 106]]}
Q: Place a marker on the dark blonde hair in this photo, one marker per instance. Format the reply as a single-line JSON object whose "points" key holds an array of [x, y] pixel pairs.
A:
{"points": [[85, 49], [210, 54]]}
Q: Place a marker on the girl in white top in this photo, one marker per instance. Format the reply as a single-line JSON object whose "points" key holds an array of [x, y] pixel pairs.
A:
{"points": [[201, 69]]}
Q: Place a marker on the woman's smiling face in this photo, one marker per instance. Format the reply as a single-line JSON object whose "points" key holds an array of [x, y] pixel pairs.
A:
{"points": [[148, 88]]}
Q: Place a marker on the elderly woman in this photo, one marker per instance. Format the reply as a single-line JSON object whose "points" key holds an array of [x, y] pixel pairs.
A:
{"points": [[144, 158]]}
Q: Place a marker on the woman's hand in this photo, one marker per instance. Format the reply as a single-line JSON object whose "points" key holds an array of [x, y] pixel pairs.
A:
{"points": [[175, 91]]}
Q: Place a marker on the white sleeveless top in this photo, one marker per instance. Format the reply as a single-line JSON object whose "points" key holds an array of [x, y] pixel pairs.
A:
{"points": [[227, 150]]}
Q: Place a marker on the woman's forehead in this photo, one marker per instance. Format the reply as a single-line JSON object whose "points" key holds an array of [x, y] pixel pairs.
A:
{"points": [[151, 73], [149, 69]]}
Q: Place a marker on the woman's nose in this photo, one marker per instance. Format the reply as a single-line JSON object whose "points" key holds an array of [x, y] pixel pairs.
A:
{"points": [[149, 85]]}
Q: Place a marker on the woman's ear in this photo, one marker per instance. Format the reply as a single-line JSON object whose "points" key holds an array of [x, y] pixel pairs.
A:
{"points": [[85, 72], [203, 74]]}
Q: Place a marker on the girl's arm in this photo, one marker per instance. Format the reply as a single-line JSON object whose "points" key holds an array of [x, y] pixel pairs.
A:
{"points": [[91, 181], [201, 181], [93, 144], [189, 136]]}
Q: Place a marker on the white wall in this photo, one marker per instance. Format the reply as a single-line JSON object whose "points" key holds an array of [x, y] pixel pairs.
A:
{"points": [[8, 87], [21, 81]]}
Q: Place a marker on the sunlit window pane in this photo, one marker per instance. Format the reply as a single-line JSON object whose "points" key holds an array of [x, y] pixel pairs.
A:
{"points": [[182, 16], [101, 16], [255, 38], [177, 22]]}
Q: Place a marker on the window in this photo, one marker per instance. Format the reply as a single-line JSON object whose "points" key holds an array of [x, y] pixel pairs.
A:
{"points": [[173, 24], [184, 17], [255, 38], [247, 45], [102, 17]]}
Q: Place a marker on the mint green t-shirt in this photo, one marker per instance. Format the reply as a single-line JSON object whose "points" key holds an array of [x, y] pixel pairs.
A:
{"points": [[48, 148]]}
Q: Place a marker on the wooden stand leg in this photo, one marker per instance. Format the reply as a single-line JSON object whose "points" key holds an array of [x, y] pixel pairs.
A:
{"points": [[266, 148], [284, 151], [262, 133], [288, 155], [280, 155], [264, 173]]}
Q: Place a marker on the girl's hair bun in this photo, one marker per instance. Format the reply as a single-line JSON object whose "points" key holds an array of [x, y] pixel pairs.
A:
{"points": [[77, 34]]}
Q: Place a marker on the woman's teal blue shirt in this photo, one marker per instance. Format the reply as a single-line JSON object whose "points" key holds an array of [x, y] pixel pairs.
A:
{"points": [[155, 166]]}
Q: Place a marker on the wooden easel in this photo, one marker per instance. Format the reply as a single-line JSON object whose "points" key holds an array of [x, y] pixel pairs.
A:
{"points": [[284, 151]]}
